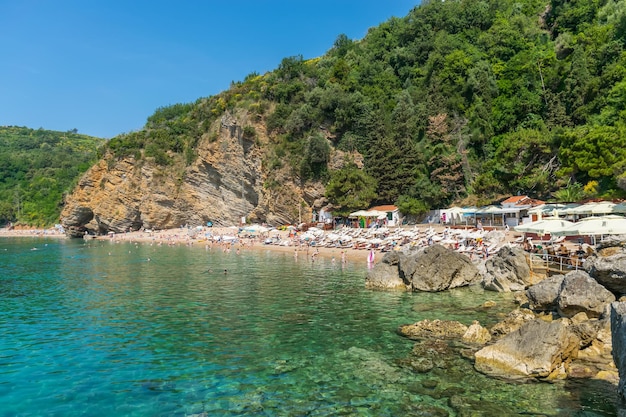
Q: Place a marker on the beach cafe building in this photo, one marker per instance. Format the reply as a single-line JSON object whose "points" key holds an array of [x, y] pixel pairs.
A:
{"points": [[392, 214], [387, 215], [512, 212]]}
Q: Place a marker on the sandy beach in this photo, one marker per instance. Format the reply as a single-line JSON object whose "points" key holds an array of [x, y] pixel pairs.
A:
{"points": [[234, 241]]}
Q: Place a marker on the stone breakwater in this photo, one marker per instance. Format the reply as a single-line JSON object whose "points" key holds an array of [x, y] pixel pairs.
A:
{"points": [[565, 326]]}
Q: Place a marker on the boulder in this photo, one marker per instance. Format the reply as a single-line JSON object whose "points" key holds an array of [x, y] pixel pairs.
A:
{"points": [[581, 293], [384, 276], [507, 271], [534, 350], [436, 268], [618, 333], [476, 334], [542, 296], [609, 268], [438, 329], [513, 321]]}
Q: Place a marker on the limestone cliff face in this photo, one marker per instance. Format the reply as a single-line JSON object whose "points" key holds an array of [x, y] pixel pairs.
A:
{"points": [[226, 182]]}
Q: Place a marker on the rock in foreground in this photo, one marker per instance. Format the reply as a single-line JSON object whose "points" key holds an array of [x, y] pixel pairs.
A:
{"points": [[618, 333], [535, 350]]}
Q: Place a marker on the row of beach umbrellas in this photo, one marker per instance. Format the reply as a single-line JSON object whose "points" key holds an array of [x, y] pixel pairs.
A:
{"points": [[589, 226]]}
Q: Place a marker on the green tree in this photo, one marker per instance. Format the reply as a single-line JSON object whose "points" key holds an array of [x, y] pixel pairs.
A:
{"points": [[350, 189]]}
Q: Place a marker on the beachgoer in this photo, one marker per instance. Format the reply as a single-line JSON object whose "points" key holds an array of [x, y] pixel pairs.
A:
{"points": [[371, 256]]}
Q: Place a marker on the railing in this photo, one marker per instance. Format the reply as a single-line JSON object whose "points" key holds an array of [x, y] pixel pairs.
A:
{"points": [[554, 263]]}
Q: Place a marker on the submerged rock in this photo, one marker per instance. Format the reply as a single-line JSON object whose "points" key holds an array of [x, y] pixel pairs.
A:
{"points": [[535, 350], [439, 329]]}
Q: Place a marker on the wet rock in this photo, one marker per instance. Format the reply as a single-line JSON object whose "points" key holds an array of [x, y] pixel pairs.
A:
{"points": [[372, 366], [534, 350], [439, 329], [507, 271], [476, 334], [421, 365], [581, 293]]}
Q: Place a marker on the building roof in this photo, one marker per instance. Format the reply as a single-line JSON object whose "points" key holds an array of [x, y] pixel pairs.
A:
{"points": [[388, 207], [522, 200], [515, 199]]}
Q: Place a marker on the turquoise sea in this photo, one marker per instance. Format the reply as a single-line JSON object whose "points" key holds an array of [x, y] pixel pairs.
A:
{"points": [[97, 329]]}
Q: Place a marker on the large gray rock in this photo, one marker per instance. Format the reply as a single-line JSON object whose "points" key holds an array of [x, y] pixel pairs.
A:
{"points": [[507, 271], [581, 293], [436, 268], [385, 276], [609, 268], [618, 333], [542, 296], [535, 350]]}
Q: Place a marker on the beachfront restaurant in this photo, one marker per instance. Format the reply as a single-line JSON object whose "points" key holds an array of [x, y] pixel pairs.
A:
{"points": [[392, 214], [511, 212]]}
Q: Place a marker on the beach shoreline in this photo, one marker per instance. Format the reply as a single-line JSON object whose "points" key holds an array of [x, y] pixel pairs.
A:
{"points": [[232, 240]]}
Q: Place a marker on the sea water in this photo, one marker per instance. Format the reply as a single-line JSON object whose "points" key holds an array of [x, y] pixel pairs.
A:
{"points": [[121, 329]]}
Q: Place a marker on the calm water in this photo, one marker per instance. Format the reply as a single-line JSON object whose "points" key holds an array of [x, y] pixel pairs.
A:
{"points": [[98, 330]]}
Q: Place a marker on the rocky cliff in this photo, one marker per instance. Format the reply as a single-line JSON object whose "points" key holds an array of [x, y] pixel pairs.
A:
{"points": [[227, 181]]}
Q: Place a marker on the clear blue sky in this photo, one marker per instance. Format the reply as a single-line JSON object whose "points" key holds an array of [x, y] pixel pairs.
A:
{"points": [[103, 67]]}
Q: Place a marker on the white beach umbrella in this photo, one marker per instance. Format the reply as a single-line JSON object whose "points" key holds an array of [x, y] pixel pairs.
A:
{"points": [[603, 207], [548, 225], [619, 208], [596, 226]]}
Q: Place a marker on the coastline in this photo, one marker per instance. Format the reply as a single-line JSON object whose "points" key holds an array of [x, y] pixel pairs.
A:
{"points": [[178, 237], [205, 238]]}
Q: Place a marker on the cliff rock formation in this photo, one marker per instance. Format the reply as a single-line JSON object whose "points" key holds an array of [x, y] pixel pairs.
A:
{"points": [[225, 183]]}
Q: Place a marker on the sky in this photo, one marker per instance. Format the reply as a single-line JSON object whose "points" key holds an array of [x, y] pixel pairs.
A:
{"points": [[102, 67]]}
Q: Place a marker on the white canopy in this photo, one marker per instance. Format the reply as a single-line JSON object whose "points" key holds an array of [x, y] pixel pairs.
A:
{"points": [[548, 225], [369, 213], [596, 226]]}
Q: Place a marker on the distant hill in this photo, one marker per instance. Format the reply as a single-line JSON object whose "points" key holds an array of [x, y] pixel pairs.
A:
{"points": [[36, 168], [462, 101]]}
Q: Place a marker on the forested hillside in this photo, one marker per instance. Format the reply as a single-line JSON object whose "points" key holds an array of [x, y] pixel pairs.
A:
{"points": [[467, 100], [36, 168]]}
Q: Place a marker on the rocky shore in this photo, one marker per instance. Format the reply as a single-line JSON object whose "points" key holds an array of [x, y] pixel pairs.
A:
{"points": [[565, 327]]}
